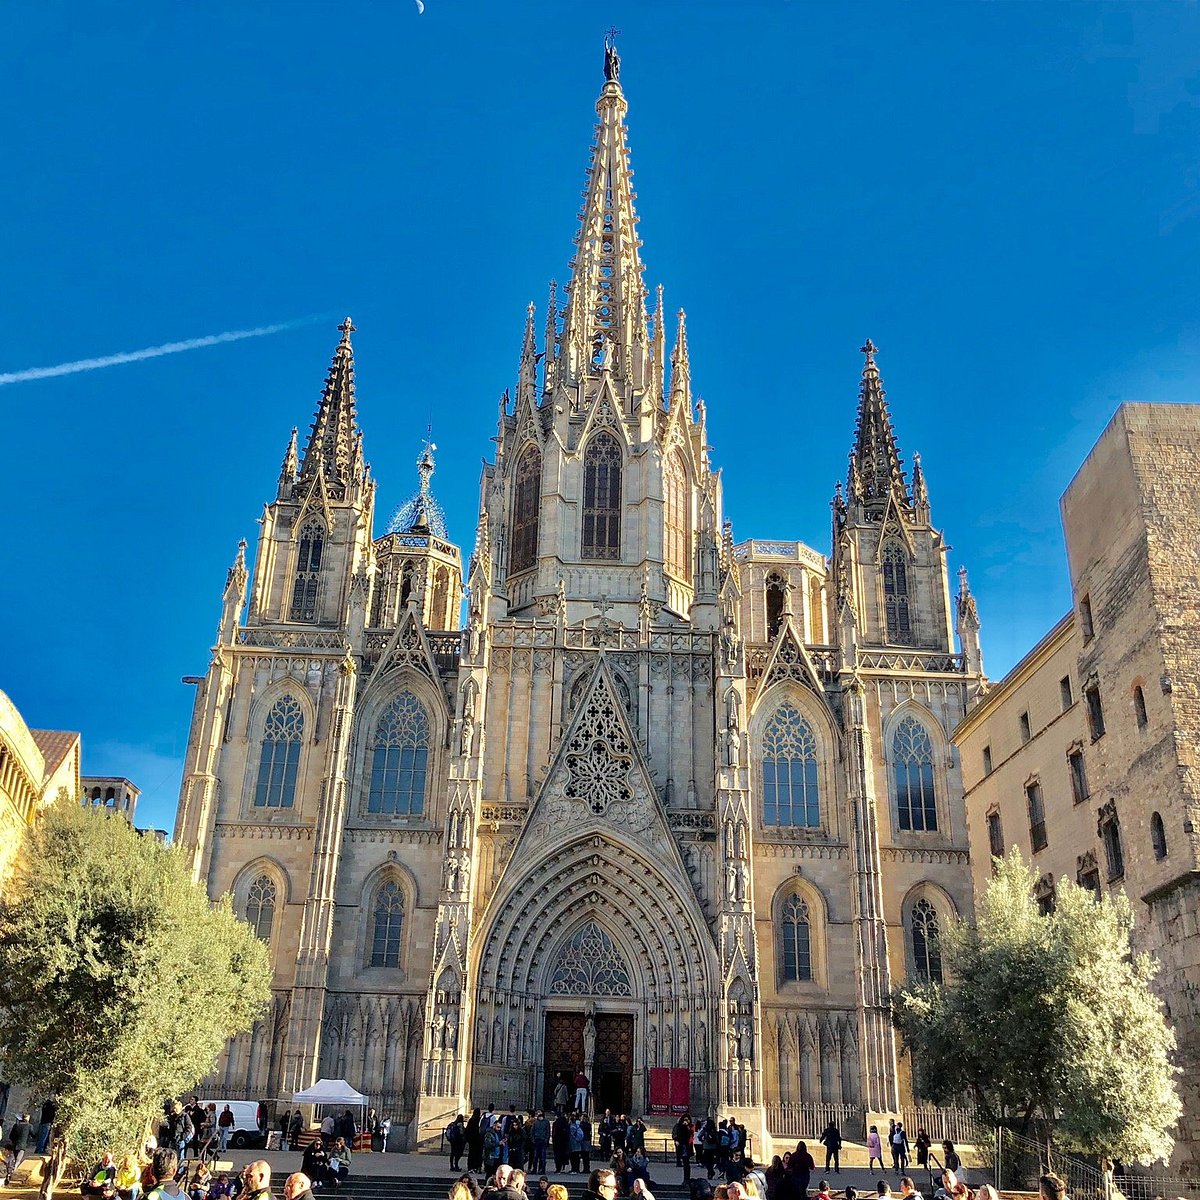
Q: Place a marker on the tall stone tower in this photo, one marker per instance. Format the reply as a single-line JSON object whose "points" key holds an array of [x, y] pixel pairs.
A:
{"points": [[667, 802]]}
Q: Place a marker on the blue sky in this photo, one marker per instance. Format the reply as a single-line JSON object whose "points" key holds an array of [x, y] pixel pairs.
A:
{"points": [[1003, 196]]}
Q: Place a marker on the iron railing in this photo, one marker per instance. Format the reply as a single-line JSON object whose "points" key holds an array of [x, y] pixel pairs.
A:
{"points": [[806, 1121]]}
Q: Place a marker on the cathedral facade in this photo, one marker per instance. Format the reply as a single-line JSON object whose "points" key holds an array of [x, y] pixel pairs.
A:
{"points": [[660, 799]]}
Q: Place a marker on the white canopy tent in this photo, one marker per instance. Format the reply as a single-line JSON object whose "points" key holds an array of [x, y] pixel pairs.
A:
{"points": [[330, 1091]]}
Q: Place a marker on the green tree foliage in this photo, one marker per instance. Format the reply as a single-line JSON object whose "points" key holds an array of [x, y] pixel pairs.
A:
{"points": [[1048, 1019], [122, 981]]}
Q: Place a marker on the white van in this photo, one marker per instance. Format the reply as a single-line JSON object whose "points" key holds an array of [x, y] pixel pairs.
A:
{"points": [[246, 1133]]}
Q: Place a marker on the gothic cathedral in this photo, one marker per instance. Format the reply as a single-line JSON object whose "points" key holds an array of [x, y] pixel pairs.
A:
{"points": [[698, 790]]}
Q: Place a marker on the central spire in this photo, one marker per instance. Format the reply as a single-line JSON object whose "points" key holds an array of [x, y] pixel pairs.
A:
{"points": [[605, 320], [876, 473], [332, 443]]}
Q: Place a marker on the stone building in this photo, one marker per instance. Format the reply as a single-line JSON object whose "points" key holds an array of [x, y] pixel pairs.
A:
{"points": [[1085, 755], [113, 793], [36, 765], [664, 799]]}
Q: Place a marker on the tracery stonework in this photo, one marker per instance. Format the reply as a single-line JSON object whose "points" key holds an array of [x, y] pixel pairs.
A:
{"points": [[651, 780]]}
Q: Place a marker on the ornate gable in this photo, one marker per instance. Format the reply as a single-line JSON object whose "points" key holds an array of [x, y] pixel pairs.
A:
{"points": [[790, 660], [598, 778], [409, 647]]}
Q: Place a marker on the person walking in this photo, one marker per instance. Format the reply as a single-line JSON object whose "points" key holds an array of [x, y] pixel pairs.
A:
{"points": [[831, 1139], [49, 1112], [874, 1148], [22, 1139], [456, 1140], [225, 1124], [539, 1140], [899, 1141]]}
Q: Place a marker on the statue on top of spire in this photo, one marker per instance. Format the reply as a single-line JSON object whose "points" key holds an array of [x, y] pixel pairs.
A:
{"points": [[612, 60]]}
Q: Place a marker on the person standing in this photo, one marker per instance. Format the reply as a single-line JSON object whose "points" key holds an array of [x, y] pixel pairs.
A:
{"points": [[295, 1129], [49, 1112], [225, 1127], [923, 1145], [562, 1097], [560, 1139], [575, 1143], [586, 1125], [539, 1138], [899, 1141], [605, 1131], [581, 1091], [474, 1142], [456, 1140], [802, 1167], [831, 1139]]}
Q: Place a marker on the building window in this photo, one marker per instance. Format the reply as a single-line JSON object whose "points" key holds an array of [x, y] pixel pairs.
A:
{"points": [[776, 591], [1043, 895], [602, 498], [1158, 836], [1023, 721], [987, 760], [279, 758], [1095, 710], [1109, 829], [791, 793], [912, 766], [260, 907], [308, 572], [1037, 815], [995, 832], [675, 518], [388, 926], [1079, 786], [1085, 619], [895, 594], [400, 758], [796, 942], [1139, 706], [527, 498], [927, 955], [1065, 693], [1087, 874]]}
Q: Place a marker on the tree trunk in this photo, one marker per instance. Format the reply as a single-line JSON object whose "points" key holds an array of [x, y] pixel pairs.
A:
{"points": [[54, 1166]]}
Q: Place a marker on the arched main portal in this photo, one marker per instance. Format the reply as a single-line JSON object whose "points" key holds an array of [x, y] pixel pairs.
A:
{"points": [[592, 927]]}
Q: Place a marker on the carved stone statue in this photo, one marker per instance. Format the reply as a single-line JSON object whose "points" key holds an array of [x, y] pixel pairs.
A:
{"points": [[612, 63], [683, 1045], [746, 1040], [589, 1040], [652, 1046], [512, 1041], [606, 348], [528, 1044], [701, 1043], [731, 881], [452, 1029]]}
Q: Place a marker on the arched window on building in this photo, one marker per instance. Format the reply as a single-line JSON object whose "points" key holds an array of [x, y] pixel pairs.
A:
{"points": [[791, 792], [387, 926], [1158, 836], [676, 525], [279, 758], [795, 942], [308, 571], [912, 767], [927, 954], [1139, 707], [775, 593], [400, 759], [526, 510], [895, 594], [602, 498], [260, 907]]}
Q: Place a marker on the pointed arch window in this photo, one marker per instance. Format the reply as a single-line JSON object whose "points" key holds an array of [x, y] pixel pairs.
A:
{"points": [[776, 588], [527, 498], [400, 759], [895, 594], [1158, 836], [795, 942], [279, 758], [912, 764], [602, 498], [791, 791], [675, 517], [387, 926], [308, 571], [260, 907], [927, 954]]}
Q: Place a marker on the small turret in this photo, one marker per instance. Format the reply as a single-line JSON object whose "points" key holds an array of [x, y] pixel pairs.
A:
{"points": [[234, 597], [967, 626], [291, 466], [681, 369]]}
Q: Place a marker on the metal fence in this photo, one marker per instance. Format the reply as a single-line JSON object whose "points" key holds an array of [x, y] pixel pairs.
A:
{"points": [[807, 1121], [951, 1124]]}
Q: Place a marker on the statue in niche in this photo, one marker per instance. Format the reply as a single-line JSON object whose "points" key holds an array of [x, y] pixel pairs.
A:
{"points": [[741, 840], [512, 1040], [683, 1044], [746, 1040], [439, 1031], [731, 883], [481, 1038], [452, 1029], [589, 1039], [528, 1043], [497, 1040], [731, 739], [743, 881], [701, 1043], [652, 1046]]}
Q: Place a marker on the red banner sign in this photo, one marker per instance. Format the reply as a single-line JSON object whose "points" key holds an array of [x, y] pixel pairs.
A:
{"points": [[670, 1089]]}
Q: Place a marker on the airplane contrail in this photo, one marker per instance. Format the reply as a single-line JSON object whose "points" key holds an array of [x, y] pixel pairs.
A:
{"points": [[113, 360]]}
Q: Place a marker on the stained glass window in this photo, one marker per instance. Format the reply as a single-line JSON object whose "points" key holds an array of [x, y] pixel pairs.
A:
{"points": [[675, 524], [389, 924], [927, 954], [527, 491], [912, 764], [602, 498], [895, 594], [260, 907], [279, 759], [308, 572], [796, 946], [791, 793], [591, 965], [400, 758]]}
